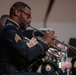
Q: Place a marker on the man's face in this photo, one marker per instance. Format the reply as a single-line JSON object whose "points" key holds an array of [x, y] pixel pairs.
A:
{"points": [[25, 17]]}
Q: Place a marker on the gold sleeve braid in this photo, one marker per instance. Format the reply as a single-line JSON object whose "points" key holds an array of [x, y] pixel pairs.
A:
{"points": [[41, 48], [57, 73]]}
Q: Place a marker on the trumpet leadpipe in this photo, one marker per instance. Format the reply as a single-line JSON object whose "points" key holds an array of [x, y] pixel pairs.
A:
{"points": [[68, 46], [37, 29]]}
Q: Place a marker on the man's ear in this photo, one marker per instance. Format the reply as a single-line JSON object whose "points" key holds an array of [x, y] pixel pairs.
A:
{"points": [[17, 12]]}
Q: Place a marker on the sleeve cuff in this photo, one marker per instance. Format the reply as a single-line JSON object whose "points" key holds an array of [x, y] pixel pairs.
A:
{"points": [[59, 72], [43, 46]]}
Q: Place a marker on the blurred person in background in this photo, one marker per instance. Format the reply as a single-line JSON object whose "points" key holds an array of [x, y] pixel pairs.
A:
{"points": [[3, 19], [73, 69]]}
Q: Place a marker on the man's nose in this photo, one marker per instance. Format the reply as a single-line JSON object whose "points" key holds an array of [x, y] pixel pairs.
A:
{"points": [[30, 20]]}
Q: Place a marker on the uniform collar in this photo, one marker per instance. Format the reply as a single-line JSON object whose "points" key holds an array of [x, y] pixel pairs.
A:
{"points": [[14, 22]]}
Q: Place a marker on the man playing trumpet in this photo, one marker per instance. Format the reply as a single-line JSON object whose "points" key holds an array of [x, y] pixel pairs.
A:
{"points": [[15, 54]]}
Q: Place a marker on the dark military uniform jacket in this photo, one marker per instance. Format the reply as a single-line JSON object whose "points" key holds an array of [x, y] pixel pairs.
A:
{"points": [[15, 55], [73, 69]]}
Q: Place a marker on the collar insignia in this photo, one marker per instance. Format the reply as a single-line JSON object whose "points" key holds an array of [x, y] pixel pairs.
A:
{"points": [[17, 37], [48, 67], [74, 64]]}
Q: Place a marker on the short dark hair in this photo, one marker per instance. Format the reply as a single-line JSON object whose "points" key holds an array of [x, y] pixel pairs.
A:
{"points": [[18, 5], [4, 16], [3, 19]]}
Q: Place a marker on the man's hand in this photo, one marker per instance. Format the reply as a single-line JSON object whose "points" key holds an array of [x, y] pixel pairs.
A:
{"points": [[32, 42], [49, 36], [66, 65]]}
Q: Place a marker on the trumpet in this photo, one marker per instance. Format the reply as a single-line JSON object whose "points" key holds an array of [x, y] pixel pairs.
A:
{"points": [[61, 52], [68, 46], [56, 53]]}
